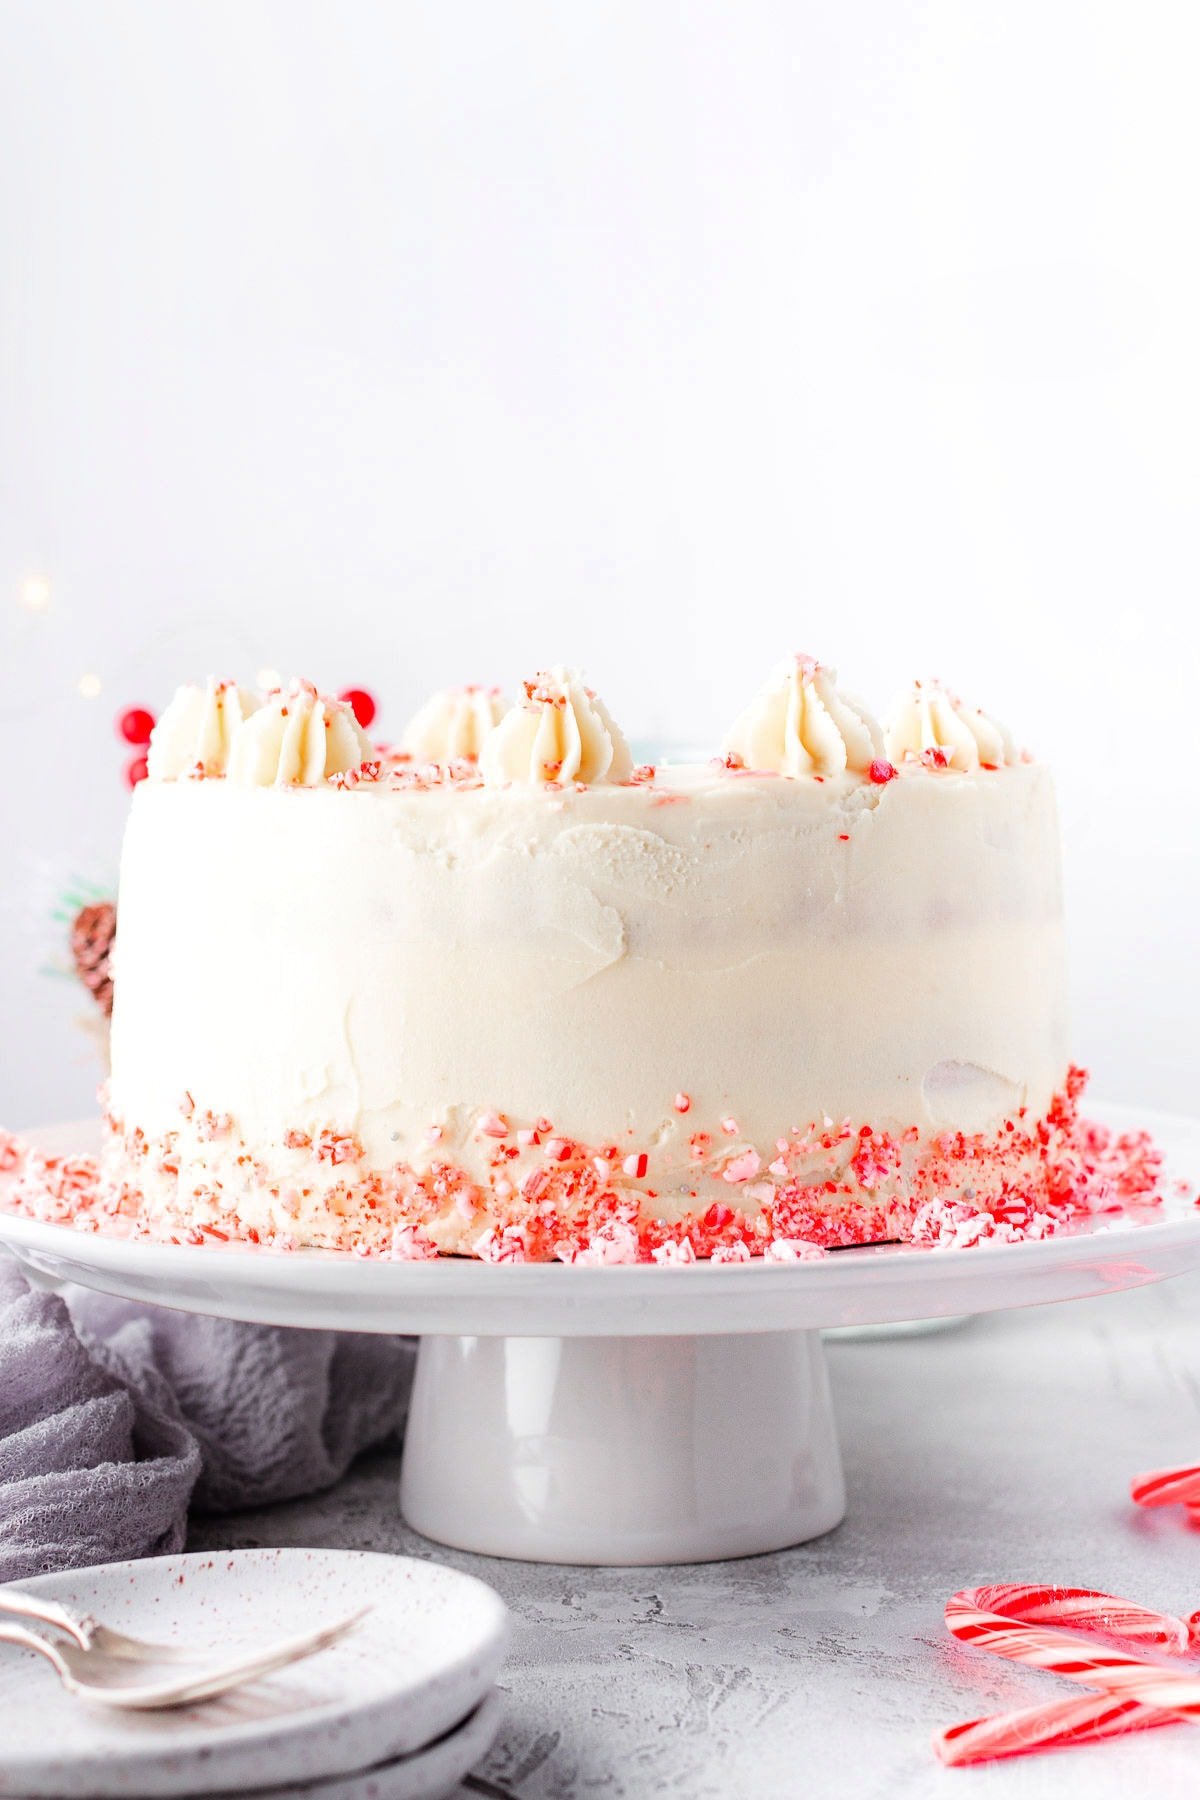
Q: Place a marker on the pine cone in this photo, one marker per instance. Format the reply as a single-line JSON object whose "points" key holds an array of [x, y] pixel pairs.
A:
{"points": [[92, 937]]}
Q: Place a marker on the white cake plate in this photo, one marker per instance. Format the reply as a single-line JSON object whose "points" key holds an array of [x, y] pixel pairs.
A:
{"points": [[624, 1415]]}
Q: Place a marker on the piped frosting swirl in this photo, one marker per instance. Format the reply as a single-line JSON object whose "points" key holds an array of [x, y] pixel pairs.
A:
{"points": [[453, 724], [297, 738], [561, 731], [932, 725], [800, 724], [196, 730]]}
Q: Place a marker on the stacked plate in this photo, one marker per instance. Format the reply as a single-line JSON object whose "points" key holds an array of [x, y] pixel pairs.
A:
{"points": [[399, 1709]]}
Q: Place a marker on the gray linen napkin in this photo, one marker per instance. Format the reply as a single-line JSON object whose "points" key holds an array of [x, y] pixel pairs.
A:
{"points": [[114, 1417]]}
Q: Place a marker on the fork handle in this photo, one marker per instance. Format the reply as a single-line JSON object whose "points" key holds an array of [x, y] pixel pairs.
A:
{"points": [[46, 1612]]}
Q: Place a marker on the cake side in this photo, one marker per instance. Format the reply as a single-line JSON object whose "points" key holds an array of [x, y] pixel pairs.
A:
{"points": [[709, 1009]]}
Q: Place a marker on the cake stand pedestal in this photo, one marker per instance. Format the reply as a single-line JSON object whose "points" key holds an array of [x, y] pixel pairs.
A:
{"points": [[623, 1415], [622, 1450]]}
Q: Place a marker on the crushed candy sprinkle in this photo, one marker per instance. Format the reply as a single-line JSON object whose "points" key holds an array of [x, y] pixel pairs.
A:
{"points": [[544, 1196]]}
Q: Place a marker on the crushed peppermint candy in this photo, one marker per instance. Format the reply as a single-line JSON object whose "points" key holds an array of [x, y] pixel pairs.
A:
{"points": [[830, 1184], [792, 1250], [674, 1255]]}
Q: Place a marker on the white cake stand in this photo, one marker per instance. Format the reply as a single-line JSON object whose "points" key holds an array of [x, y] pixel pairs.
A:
{"points": [[622, 1415]]}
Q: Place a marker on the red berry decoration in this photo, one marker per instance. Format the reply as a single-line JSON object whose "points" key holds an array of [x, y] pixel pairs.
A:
{"points": [[361, 704], [881, 772], [135, 725], [136, 769]]}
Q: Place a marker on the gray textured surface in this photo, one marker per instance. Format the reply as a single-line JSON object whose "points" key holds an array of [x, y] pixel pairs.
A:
{"points": [[998, 1452]]}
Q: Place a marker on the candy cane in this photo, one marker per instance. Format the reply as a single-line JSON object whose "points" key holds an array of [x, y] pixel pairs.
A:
{"points": [[1051, 1727], [1168, 1487], [1015, 1622]]}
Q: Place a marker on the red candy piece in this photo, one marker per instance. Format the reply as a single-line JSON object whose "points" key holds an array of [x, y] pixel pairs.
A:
{"points": [[881, 771], [361, 704], [135, 725], [136, 769]]}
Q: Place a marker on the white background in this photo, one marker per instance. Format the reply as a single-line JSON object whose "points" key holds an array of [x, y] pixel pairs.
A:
{"points": [[402, 343]]}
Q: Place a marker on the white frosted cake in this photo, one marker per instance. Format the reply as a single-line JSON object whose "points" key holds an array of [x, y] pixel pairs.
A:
{"points": [[503, 994]]}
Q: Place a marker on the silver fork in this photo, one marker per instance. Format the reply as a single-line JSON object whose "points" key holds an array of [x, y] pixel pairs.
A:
{"points": [[110, 1676]]}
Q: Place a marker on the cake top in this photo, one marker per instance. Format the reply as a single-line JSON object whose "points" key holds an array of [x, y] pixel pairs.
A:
{"points": [[453, 723], [561, 731], [801, 727], [196, 730], [297, 738], [933, 726]]}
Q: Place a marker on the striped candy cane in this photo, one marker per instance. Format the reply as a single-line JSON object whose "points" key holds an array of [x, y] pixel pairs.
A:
{"points": [[1025, 1624], [1168, 1487]]}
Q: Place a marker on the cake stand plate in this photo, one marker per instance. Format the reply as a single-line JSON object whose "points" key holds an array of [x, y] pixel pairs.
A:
{"points": [[624, 1415]]}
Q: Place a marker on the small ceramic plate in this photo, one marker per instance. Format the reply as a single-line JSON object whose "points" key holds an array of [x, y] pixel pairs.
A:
{"points": [[422, 1660], [426, 1775]]}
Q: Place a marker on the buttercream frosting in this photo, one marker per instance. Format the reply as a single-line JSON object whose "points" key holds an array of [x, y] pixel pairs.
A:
{"points": [[929, 723], [453, 723], [398, 1064], [561, 731], [197, 728], [297, 738], [800, 724]]}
